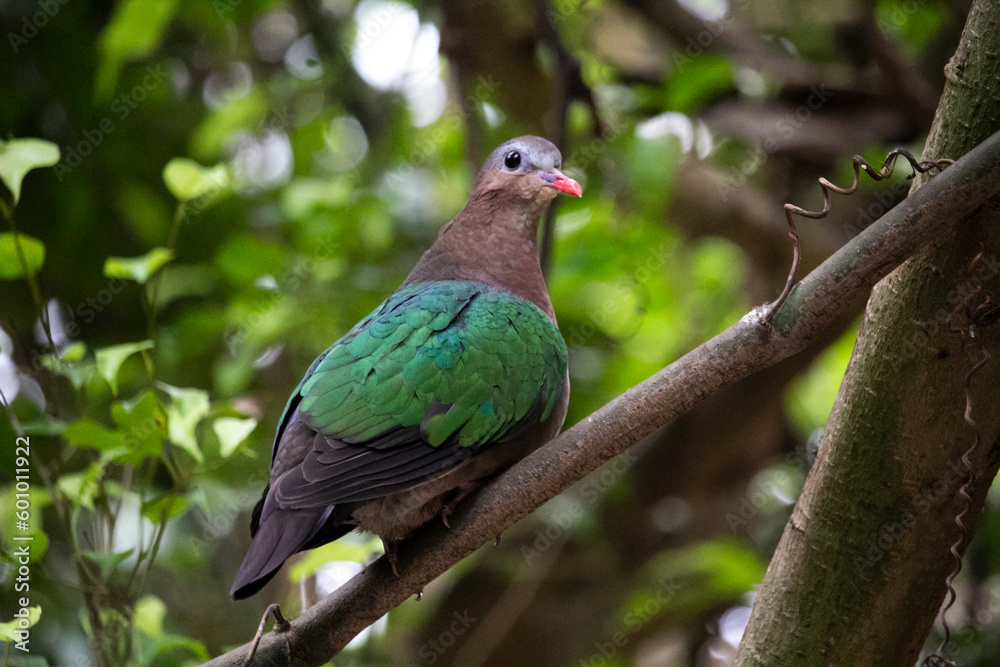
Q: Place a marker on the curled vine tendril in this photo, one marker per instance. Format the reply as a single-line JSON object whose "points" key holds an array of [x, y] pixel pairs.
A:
{"points": [[981, 310], [859, 164]]}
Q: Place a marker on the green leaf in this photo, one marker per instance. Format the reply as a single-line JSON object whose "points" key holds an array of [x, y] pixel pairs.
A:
{"points": [[74, 352], [144, 426], [139, 269], [146, 413], [7, 629], [134, 32], [165, 507], [243, 259], [10, 261], [696, 82], [44, 425], [724, 568], [231, 431], [187, 180], [88, 434], [108, 563], [78, 373], [149, 614], [245, 113], [169, 643], [110, 360], [19, 156], [188, 407], [81, 487], [302, 197]]}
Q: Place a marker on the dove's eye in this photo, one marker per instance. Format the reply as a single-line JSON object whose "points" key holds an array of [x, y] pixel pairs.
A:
{"points": [[512, 160]]}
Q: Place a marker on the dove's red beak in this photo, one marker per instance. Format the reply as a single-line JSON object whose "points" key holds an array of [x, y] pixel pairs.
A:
{"points": [[560, 181]]}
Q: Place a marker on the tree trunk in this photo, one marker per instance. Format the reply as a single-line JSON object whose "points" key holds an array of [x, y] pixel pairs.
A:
{"points": [[859, 574]]}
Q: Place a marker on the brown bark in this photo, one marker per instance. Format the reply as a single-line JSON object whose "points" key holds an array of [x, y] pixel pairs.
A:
{"points": [[860, 572]]}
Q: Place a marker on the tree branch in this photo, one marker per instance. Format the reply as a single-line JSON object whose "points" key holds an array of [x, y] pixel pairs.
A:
{"points": [[864, 562], [746, 347]]}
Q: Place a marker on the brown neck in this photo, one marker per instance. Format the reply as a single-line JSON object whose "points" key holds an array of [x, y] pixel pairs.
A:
{"points": [[494, 240]]}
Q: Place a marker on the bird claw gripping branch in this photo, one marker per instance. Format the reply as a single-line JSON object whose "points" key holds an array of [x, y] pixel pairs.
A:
{"points": [[281, 625], [859, 164]]}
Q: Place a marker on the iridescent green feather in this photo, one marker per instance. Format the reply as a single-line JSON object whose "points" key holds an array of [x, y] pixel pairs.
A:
{"points": [[465, 361]]}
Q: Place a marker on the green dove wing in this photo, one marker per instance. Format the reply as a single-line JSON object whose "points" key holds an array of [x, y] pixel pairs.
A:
{"points": [[435, 374]]}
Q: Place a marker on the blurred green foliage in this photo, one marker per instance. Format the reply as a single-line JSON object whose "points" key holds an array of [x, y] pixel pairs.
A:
{"points": [[230, 195]]}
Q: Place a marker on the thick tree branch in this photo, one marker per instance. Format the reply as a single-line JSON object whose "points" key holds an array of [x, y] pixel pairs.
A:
{"points": [[744, 348], [862, 565]]}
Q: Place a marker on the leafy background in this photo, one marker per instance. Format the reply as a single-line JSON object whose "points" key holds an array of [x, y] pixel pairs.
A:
{"points": [[240, 181]]}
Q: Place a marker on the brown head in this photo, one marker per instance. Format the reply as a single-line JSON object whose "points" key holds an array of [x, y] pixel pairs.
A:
{"points": [[494, 239], [525, 168]]}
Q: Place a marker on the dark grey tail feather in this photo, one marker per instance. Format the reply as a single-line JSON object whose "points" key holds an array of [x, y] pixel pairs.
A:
{"points": [[280, 535], [257, 510], [333, 529]]}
